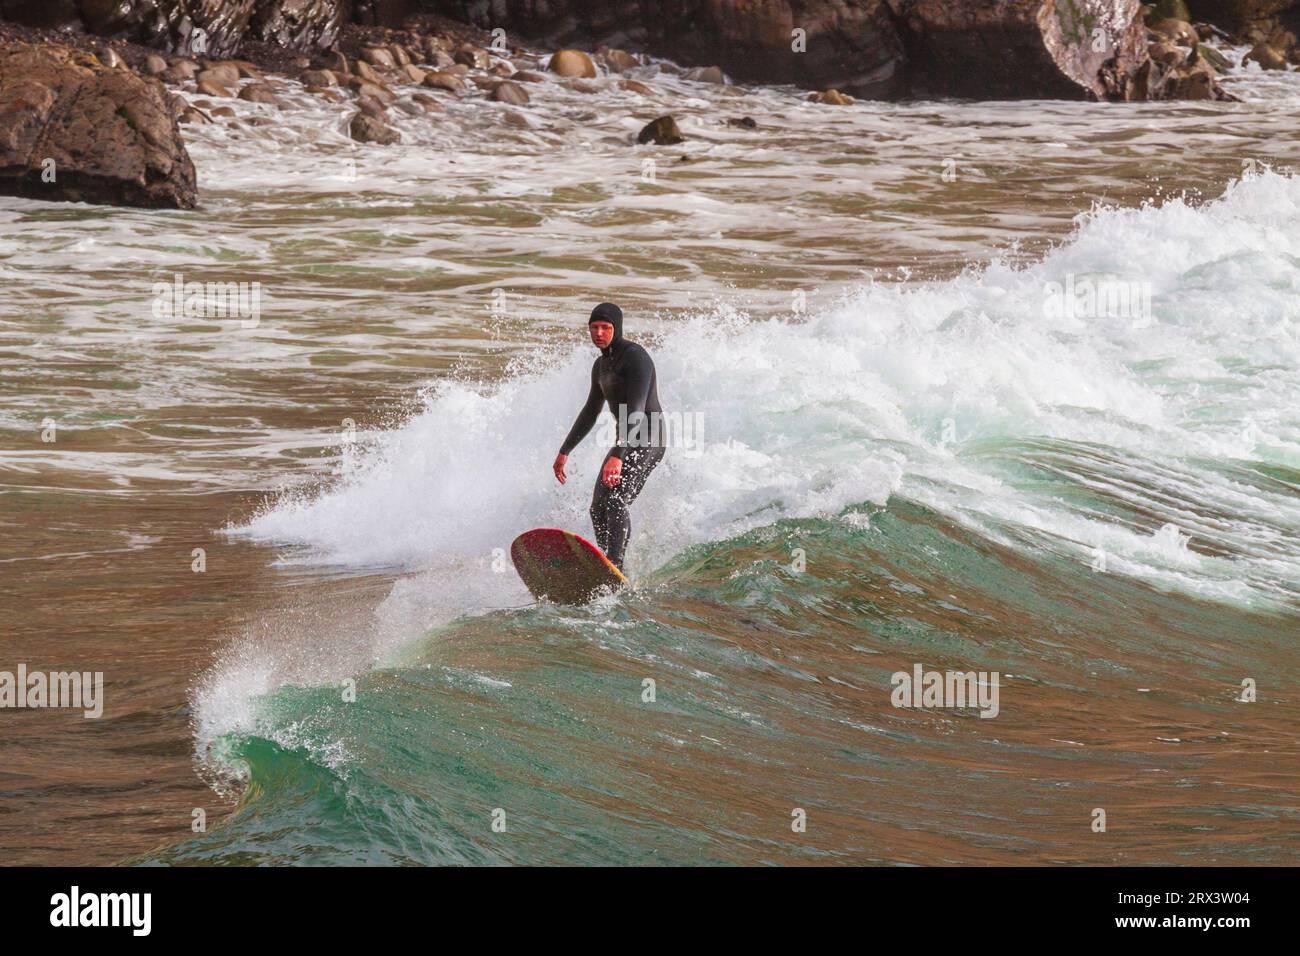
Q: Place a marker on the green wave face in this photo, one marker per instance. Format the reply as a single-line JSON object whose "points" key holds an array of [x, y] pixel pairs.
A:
{"points": [[772, 695]]}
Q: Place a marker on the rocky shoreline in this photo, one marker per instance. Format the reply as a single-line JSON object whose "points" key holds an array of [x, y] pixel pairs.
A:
{"points": [[92, 118]]}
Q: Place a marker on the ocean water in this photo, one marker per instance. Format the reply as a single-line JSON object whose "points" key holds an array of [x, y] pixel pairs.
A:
{"points": [[906, 449], [1172, 451]]}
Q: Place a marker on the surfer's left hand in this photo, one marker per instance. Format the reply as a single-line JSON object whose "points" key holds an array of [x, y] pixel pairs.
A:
{"points": [[612, 473]]}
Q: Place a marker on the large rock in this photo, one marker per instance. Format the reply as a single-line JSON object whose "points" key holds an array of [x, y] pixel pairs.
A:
{"points": [[369, 129], [1267, 57], [662, 131], [1018, 48], [511, 93], [107, 136], [571, 63]]}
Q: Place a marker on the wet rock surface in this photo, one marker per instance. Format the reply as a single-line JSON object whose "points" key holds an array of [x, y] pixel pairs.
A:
{"points": [[74, 129]]}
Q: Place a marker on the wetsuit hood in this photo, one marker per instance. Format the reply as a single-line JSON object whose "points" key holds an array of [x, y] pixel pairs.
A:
{"points": [[609, 312]]}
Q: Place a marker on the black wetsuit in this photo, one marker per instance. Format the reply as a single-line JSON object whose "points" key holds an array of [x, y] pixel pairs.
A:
{"points": [[624, 375]]}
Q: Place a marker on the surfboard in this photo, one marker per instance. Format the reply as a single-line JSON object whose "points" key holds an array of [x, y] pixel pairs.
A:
{"points": [[562, 567]]}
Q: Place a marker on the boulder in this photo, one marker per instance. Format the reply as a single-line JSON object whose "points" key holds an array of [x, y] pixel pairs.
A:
{"points": [[1215, 58], [336, 63], [429, 104], [1195, 81], [369, 129], [1267, 57], [444, 81], [259, 93], [832, 98], [380, 57], [209, 87], [707, 74], [367, 72], [110, 58], [1085, 48], [381, 94], [1167, 52], [107, 136], [1180, 31], [572, 63], [511, 93], [662, 132], [1281, 39], [1190, 77], [319, 78], [225, 74], [371, 106], [618, 61], [177, 103], [472, 56]]}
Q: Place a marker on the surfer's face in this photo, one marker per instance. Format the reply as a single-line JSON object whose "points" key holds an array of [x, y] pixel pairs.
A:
{"points": [[602, 333]]}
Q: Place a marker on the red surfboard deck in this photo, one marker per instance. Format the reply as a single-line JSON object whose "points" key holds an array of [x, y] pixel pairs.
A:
{"points": [[560, 566]]}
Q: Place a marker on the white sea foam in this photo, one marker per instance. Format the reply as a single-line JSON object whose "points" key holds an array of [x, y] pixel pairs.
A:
{"points": [[805, 416]]}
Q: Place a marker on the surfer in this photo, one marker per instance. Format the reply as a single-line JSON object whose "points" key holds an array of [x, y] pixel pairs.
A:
{"points": [[624, 378]]}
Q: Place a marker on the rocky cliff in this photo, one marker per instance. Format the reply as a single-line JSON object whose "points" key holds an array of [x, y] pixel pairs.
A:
{"points": [[871, 48]]}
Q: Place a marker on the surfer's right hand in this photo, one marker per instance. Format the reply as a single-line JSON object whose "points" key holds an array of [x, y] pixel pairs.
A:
{"points": [[558, 468]]}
